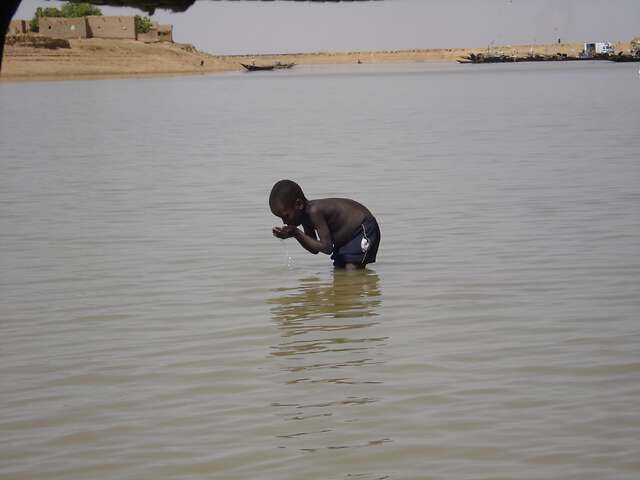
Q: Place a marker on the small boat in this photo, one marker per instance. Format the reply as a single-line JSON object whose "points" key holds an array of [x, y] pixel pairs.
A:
{"points": [[254, 68], [275, 66]]}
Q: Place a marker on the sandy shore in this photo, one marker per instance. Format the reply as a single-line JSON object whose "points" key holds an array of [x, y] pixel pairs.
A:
{"points": [[97, 58]]}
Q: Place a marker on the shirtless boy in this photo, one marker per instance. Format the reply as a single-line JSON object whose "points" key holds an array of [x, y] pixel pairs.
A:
{"points": [[340, 227]]}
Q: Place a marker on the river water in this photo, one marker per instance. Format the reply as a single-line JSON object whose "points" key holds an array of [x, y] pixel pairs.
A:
{"points": [[152, 328]]}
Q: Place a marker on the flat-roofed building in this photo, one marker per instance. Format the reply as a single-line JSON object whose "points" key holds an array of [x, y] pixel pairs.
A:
{"points": [[116, 27], [56, 27], [111, 27]]}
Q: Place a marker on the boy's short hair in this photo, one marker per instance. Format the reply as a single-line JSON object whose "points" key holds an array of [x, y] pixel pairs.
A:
{"points": [[286, 192]]}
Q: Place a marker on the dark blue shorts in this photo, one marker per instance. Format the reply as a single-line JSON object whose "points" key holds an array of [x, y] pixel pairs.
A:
{"points": [[352, 251]]}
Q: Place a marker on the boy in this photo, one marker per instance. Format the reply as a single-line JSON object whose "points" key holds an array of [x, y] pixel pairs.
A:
{"points": [[338, 226]]}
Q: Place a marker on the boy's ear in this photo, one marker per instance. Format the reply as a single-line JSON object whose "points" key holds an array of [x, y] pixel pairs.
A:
{"points": [[299, 205]]}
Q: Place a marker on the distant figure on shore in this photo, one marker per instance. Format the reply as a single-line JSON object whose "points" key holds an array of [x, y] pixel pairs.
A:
{"points": [[341, 227], [202, 63]]}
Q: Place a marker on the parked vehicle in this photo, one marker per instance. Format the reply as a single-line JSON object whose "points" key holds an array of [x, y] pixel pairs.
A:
{"points": [[597, 49]]}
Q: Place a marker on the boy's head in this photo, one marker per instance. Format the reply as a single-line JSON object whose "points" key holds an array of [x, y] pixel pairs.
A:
{"points": [[288, 202]]}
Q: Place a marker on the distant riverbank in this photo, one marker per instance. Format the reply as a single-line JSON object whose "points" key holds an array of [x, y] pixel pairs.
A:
{"points": [[91, 58]]}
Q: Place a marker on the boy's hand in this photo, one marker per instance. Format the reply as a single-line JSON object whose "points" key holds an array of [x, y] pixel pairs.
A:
{"points": [[285, 231]]}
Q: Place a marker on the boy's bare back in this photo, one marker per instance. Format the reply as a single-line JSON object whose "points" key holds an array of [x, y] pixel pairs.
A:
{"points": [[342, 215]]}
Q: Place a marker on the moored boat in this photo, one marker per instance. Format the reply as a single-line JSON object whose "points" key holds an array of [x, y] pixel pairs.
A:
{"points": [[254, 68], [276, 66], [557, 57]]}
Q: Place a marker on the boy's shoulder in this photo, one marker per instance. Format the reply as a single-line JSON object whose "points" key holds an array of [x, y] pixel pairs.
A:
{"points": [[330, 201], [318, 205], [326, 205]]}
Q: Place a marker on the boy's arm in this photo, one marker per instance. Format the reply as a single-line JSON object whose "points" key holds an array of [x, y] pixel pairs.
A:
{"points": [[307, 239], [309, 230]]}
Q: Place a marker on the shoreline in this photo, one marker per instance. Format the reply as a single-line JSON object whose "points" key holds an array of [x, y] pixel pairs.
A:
{"points": [[101, 59]]}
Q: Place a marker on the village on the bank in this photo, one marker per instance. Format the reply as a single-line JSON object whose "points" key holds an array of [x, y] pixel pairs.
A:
{"points": [[93, 26]]}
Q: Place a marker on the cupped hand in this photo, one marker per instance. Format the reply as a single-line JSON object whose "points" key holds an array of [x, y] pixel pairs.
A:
{"points": [[284, 231]]}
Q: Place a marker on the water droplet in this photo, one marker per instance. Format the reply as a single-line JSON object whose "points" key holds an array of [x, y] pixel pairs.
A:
{"points": [[288, 258]]}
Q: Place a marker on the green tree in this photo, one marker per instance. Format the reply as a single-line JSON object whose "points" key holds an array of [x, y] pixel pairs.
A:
{"points": [[77, 9], [143, 24], [68, 10]]}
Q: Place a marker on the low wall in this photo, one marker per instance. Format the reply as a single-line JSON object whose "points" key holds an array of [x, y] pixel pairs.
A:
{"points": [[111, 27], [55, 27], [37, 41], [150, 37], [19, 27], [158, 33]]}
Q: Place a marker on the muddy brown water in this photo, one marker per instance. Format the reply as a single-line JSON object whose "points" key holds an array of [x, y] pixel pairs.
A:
{"points": [[152, 328]]}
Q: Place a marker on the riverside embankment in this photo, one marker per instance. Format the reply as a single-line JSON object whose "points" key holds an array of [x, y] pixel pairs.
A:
{"points": [[101, 57]]}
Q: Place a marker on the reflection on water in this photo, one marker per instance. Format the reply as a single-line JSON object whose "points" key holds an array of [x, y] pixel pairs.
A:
{"points": [[348, 295], [329, 357]]}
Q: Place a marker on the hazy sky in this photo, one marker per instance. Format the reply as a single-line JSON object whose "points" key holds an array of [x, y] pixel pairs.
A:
{"points": [[285, 26]]}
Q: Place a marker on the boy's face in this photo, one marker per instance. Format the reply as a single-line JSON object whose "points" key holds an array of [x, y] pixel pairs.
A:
{"points": [[290, 215]]}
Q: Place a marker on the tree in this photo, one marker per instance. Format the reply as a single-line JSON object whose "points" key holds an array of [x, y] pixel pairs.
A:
{"points": [[75, 9], [143, 24], [72, 9]]}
